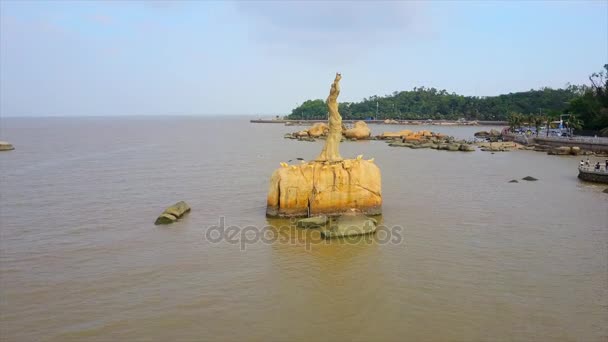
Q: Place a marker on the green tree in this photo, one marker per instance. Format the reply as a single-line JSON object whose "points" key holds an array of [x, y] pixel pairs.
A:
{"points": [[591, 106], [515, 121]]}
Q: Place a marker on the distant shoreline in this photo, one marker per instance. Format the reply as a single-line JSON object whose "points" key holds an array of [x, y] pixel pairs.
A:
{"points": [[394, 122]]}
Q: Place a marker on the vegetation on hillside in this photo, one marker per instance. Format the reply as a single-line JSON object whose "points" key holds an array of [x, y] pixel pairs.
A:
{"points": [[589, 104], [430, 103]]}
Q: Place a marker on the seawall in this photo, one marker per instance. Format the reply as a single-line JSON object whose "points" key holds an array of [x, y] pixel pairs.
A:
{"points": [[585, 143]]}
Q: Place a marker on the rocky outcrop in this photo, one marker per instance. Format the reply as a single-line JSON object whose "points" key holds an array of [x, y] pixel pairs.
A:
{"points": [[360, 131], [301, 134], [560, 151], [329, 185], [427, 139], [325, 188], [173, 213], [5, 146], [495, 133], [564, 151], [466, 148], [318, 129]]}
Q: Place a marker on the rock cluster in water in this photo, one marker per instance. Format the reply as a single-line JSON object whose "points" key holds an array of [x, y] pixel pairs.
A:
{"points": [[173, 213], [425, 139], [493, 133], [320, 130], [499, 146]]}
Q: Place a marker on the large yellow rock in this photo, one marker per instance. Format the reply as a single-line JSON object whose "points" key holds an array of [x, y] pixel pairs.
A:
{"points": [[318, 129], [325, 188], [360, 131]]}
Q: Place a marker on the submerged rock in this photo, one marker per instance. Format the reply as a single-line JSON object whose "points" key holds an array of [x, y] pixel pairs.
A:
{"points": [[306, 138], [5, 146], [529, 178], [173, 213], [513, 181], [312, 222], [349, 225], [400, 144]]}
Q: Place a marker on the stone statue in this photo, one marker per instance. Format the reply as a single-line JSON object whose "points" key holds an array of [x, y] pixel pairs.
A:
{"points": [[328, 185], [331, 151]]}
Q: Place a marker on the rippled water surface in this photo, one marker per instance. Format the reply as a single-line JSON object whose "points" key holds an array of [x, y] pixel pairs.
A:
{"points": [[476, 258]]}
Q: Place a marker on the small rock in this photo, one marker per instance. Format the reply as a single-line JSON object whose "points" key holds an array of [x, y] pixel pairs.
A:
{"points": [[528, 178], [605, 191], [312, 222], [173, 213], [466, 148], [494, 133], [348, 225], [453, 147], [513, 181], [165, 219], [5, 146]]}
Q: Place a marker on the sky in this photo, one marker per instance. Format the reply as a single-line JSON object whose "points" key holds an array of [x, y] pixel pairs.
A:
{"points": [[87, 58]]}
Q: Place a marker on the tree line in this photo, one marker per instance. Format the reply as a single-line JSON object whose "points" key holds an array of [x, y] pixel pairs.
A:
{"points": [[589, 103]]}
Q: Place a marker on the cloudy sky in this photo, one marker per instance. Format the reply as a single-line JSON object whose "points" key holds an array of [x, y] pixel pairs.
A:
{"points": [[262, 58]]}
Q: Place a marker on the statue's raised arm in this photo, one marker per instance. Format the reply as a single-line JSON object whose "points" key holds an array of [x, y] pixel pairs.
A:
{"points": [[331, 151]]}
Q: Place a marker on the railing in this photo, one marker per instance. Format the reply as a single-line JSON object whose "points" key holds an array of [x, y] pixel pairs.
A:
{"points": [[591, 169]]}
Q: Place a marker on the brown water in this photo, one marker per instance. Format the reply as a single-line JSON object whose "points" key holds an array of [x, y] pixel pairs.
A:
{"points": [[477, 258]]}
